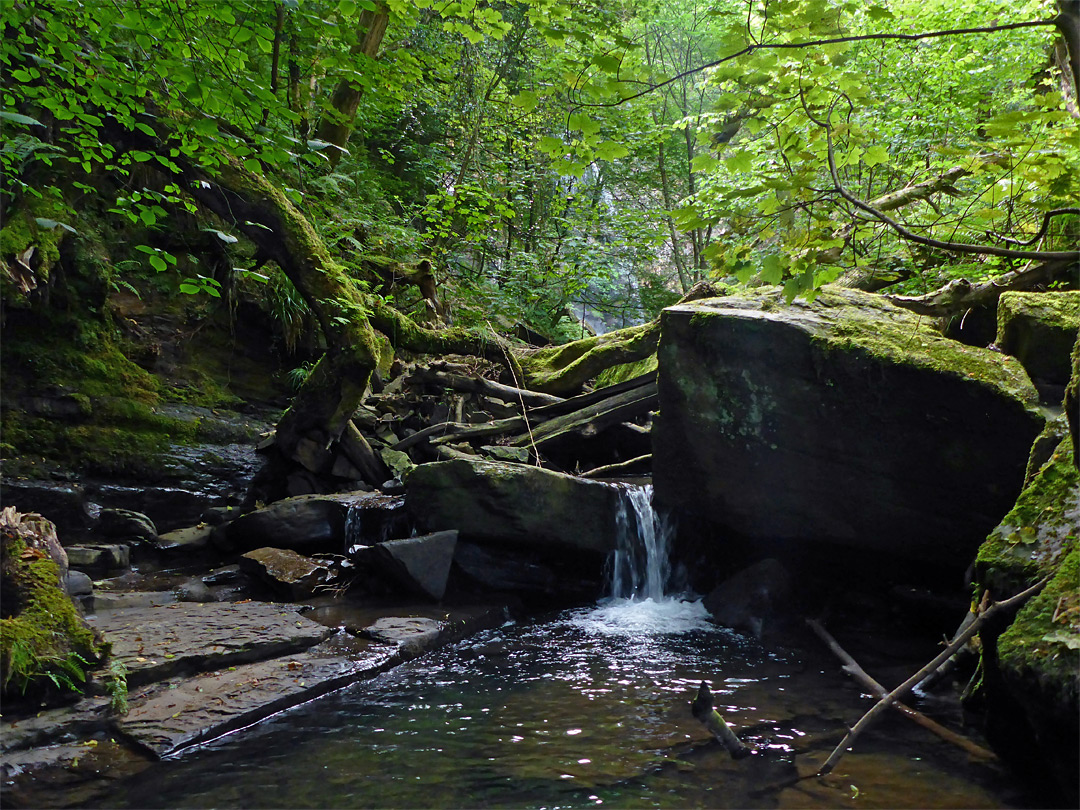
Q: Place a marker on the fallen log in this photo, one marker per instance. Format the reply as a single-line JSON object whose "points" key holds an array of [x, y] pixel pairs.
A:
{"points": [[582, 400], [704, 712], [360, 453], [960, 640], [852, 668], [621, 468], [590, 420], [479, 385]]}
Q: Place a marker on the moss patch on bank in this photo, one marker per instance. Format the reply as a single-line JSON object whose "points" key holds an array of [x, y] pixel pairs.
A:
{"points": [[44, 644], [1038, 533]]}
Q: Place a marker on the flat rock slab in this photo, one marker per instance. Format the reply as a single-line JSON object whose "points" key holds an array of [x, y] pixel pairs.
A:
{"points": [[160, 642], [169, 716]]}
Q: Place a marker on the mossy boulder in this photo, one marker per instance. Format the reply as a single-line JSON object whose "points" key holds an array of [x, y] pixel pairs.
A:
{"points": [[845, 420], [1039, 329], [45, 646], [1031, 671]]}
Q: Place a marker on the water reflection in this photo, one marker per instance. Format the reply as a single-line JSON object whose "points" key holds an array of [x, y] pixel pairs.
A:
{"points": [[587, 707]]}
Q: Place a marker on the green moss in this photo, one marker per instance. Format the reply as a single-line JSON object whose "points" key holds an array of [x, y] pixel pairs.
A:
{"points": [[1043, 642], [564, 369], [1038, 532], [45, 641], [626, 371], [21, 231]]}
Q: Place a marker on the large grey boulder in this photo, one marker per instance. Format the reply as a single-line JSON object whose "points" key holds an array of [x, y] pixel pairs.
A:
{"points": [[846, 420], [511, 504], [316, 523]]}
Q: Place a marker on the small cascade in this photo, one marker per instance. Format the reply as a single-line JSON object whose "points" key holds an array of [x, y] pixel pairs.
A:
{"points": [[354, 536], [641, 565]]}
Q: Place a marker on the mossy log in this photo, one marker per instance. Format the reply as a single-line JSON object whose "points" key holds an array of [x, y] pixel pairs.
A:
{"points": [[563, 370]]}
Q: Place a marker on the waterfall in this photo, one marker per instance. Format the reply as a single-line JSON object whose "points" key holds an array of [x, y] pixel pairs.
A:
{"points": [[640, 566]]}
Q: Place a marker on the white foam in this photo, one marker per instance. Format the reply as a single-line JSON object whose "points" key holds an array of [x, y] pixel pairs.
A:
{"points": [[666, 616]]}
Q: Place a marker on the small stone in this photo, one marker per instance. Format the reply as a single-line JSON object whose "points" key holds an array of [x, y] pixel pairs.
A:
{"points": [[289, 573], [125, 524]]}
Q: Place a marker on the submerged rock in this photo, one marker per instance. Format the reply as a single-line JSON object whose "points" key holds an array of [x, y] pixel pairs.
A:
{"points": [[747, 599], [510, 504], [846, 420]]}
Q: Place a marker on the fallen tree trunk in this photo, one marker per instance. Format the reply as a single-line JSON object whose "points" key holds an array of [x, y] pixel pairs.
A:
{"points": [[479, 385], [591, 419]]}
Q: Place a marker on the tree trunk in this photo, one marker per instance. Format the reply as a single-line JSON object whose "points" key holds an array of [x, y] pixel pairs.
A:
{"points": [[337, 124]]}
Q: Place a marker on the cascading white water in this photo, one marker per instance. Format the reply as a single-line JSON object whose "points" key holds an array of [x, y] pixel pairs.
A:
{"points": [[641, 565], [640, 606]]}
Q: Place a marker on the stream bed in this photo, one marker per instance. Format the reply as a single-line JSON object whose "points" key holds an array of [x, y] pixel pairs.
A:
{"points": [[584, 708]]}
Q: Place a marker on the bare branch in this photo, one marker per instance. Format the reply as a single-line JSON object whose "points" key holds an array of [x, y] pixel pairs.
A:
{"points": [[1045, 224]]}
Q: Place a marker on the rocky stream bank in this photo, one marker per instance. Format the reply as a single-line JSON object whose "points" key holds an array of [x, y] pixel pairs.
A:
{"points": [[846, 438]]}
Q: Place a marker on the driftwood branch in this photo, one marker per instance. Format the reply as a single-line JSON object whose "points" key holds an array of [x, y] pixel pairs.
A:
{"points": [[941, 658], [703, 710], [852, 668], [591, 419], [960, 295]]}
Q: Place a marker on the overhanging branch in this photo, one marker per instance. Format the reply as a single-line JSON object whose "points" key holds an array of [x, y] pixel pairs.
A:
{"points": [[911, 236]]}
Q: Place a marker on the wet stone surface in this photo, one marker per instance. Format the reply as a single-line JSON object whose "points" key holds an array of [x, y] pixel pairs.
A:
{"points": [[158, 643]]}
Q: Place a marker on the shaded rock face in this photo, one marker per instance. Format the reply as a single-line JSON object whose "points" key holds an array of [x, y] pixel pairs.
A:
{"points": [[316, 523], [421, 564], [748, 599], [1039, 329], [510, 504], [845, 420]]}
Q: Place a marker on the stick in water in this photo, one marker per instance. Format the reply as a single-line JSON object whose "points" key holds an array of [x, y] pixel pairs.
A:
{"points": [[902, 689], [702, 709]]}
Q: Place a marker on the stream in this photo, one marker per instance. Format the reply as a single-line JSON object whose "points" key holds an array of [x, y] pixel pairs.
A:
{"points": [[581, 708]]}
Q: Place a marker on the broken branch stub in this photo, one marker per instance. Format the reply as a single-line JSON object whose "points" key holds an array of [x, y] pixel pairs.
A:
{"points": [[703, 710]]}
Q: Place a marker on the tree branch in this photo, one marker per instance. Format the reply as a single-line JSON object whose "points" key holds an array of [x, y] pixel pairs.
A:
{"points": [[989, 29], [897, 693], [911, 236]]}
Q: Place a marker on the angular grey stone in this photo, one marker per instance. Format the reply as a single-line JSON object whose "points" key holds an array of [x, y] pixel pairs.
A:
{"points": [[746, 600], [76, 583], [193, 538], [421, 563], [157, 643], [315, 523], [99, 558]]}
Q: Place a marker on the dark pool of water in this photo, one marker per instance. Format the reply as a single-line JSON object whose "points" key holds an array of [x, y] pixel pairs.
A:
{"points": [[584, 709]]}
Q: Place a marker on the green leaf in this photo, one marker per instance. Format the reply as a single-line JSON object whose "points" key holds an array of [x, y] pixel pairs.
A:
{"points": [[190, 289], [158, 264], [551, 146], [741, 161], [20, 119], [51, 224], [611, 150], [772, 270], [526, 101], [875, 155]]}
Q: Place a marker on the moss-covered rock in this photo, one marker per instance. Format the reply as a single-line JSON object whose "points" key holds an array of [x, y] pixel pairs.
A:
{"points": [[45, 646], [846, 420], [30, 245], [1040, 329], [1072, 402], [1031, 671]]}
